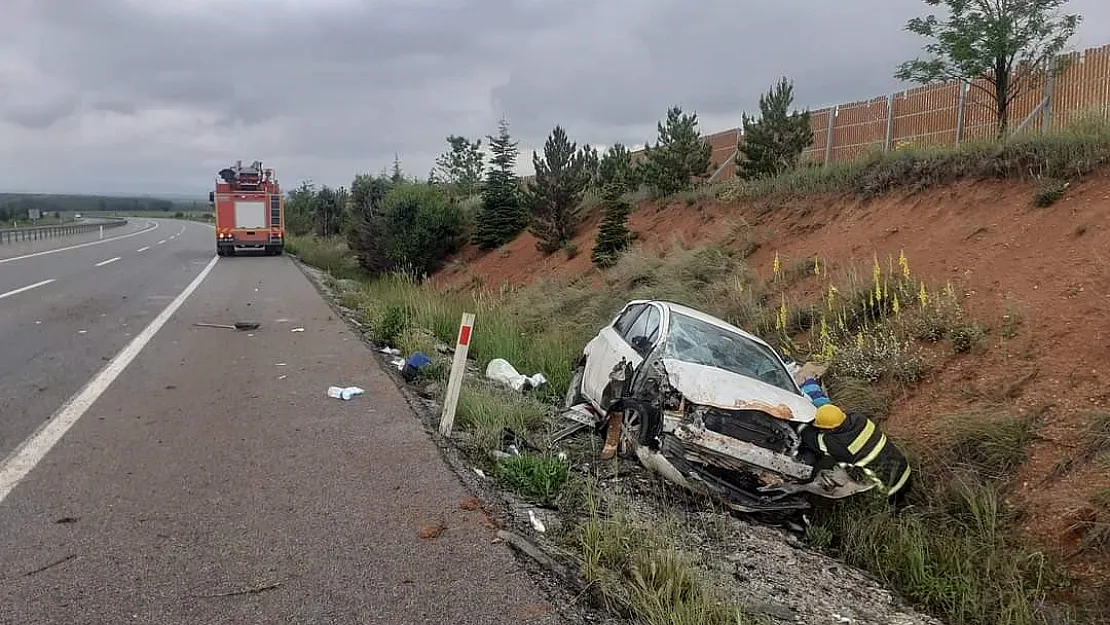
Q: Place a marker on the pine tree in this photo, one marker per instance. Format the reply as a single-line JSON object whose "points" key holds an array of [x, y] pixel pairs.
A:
{"points": [[679, 155], [366, 236], [397, 176], [775, 141], [562, 176], [502, 215], [616, 168], [613, 236]]}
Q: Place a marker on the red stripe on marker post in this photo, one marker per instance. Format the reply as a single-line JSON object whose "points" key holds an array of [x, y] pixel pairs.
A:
{"points": [[464, 335]]}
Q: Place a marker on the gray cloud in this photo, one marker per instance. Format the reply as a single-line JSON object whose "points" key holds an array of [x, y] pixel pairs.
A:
{"points": [[322, 89]]}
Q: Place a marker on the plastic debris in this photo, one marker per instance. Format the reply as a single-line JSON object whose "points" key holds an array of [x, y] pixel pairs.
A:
{"points": [[537, 524], [344, 393], [297, 330], [391, 351], [501, 371], [413, 365]]}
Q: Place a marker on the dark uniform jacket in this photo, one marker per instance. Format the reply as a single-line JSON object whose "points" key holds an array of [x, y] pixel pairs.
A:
{"points": [[860, 442]]}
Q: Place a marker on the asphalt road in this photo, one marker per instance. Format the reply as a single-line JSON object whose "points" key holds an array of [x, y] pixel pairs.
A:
{"points": [[202, 475]]}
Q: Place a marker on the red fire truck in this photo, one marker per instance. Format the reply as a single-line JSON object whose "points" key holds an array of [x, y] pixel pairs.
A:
{"points": [[249, 210]]}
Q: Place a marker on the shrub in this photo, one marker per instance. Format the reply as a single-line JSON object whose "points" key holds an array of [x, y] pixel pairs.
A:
{"points": [[421, 228]]}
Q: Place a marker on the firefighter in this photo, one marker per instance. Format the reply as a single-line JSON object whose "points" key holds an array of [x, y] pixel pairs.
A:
{"points": [[853, 439]]}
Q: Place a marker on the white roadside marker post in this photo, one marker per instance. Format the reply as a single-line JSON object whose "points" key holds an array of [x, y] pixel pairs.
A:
{"points": [[458, 372], [101, 232]]}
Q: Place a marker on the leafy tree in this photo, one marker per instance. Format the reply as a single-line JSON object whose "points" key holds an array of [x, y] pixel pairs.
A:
{"points": [[366, 236], [774, 142], [300, 209], [422, 227], [613, 236], [562, 176], [329, 207], [616, 168], [502, 215], [462, 165], [679, 155], [1009, 44]]}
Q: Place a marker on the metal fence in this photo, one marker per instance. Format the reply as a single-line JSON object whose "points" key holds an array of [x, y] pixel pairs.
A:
{"points": [[942, 114], [16, 235]]}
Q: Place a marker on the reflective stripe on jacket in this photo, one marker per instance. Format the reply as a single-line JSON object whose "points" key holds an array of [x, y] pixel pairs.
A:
{"points": [[858, 441]]}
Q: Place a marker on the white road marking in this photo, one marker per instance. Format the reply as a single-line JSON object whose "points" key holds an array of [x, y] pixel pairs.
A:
{"points": [[26, 288], [163, 241], [143, 249], [154, 226], [105, 262], [31, 451]]}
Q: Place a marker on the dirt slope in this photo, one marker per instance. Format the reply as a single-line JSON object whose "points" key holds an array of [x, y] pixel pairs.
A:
{"points": [[1047, 266]]}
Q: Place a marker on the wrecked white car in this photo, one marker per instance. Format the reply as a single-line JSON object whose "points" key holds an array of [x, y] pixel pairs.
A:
{"points": [[706, 405]]}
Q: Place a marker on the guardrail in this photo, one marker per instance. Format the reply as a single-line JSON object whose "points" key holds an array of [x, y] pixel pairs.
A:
{"points": [[16, 235]]}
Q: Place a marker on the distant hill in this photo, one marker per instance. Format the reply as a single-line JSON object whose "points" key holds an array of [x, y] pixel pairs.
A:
{"points": [[13, 205]]}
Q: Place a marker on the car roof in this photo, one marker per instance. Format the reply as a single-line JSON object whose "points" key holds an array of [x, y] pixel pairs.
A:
{"points": [[700, 316]]}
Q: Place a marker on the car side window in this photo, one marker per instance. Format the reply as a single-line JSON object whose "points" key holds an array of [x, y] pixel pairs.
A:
{"points": [[626, 319], [644, 330]]}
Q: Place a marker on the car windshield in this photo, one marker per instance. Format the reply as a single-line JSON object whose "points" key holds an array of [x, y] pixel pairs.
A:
{"points": [[695, 341]]}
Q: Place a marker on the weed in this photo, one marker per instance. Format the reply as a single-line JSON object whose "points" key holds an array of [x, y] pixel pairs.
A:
{"points": [[1093, 523], [330, 255], [539, 479], [485, 413], [1095, 440], [392, 324], [951, 550], [640, 566], [990, 443], [1011, 322], [1049, 191], [856, 395], [967, 337]]}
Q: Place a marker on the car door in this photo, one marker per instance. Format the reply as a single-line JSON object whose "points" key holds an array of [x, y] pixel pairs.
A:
{"points": [[603, 352], [631, 338]]}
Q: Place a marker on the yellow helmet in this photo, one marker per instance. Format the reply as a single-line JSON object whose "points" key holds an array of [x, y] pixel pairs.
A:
{"points": [[829, 416]]}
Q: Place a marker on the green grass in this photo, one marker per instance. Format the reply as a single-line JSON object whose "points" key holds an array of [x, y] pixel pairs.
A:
{"points": [[954, 549], [539, 479], [641, 568]]}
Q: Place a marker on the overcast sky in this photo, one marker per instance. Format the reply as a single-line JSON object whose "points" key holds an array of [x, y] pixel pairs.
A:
{"points": [[155, 96]]}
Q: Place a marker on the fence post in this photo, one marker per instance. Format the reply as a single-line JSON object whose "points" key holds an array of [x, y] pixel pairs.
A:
{"points": [[889, 123], [829, 134], [458, 372], [1049, 89], [961, 107]]}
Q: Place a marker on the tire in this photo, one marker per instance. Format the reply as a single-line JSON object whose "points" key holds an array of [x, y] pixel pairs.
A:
{"points": [[574, 389]]}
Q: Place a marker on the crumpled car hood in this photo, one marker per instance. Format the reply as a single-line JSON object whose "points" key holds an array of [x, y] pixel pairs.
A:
{"points": [[710, 386]]}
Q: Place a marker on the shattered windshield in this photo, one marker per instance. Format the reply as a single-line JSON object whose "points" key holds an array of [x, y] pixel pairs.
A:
{"points": [[694, 341]]}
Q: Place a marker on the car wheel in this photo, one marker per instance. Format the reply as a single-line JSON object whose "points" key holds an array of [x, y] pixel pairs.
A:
{"points": [[632, 425], [574, 389]]}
